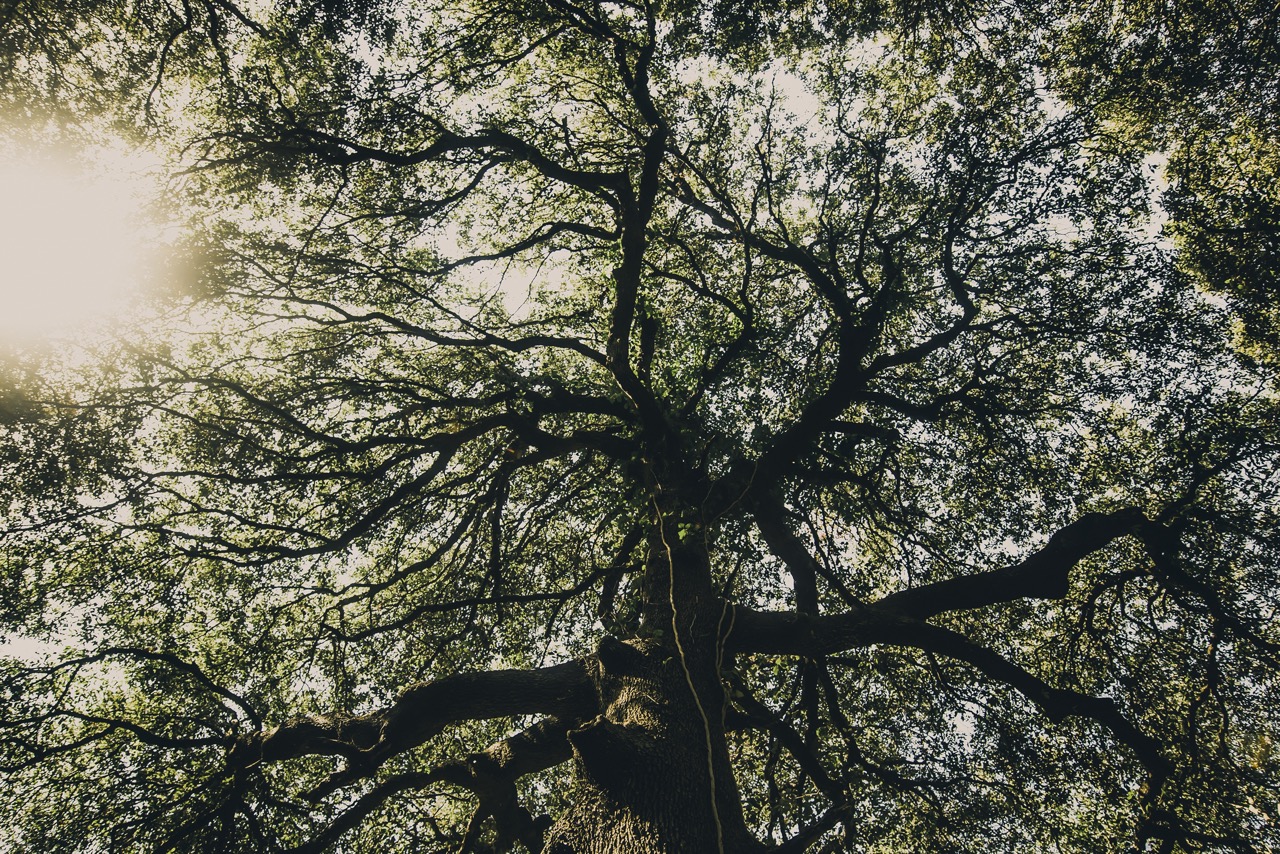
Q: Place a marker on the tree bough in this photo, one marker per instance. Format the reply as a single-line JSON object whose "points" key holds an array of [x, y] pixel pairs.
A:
{"points": [[588, 428]]}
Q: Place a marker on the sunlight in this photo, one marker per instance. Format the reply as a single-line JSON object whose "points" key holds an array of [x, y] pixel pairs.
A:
{"points": [[72, 245]]}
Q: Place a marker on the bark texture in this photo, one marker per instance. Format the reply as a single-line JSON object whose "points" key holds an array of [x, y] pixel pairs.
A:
{"points": [[645, 766]]}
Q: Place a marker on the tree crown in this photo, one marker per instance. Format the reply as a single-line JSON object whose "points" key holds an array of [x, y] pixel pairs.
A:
{"points": [[902, 374]]}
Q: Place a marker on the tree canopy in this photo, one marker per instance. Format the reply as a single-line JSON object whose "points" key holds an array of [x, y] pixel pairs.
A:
{"points": [[611, 426]]}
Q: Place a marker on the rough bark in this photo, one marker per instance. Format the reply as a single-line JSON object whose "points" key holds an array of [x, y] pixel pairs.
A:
{"points": [[645, 766]]}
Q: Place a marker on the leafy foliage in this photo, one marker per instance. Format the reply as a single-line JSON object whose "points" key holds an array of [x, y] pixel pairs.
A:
{"points": [[880, 365]]}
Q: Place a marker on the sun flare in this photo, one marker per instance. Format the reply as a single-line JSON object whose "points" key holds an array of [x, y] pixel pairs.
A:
{"points": [[72, 247]]}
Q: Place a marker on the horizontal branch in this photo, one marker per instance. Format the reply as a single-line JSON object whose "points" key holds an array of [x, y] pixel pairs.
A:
{"points": [[563, 691], [810, 636], [1042, 575], [339, 150]]}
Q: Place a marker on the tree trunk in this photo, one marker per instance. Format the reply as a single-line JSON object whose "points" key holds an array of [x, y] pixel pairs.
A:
{"points": [[645, 766]]}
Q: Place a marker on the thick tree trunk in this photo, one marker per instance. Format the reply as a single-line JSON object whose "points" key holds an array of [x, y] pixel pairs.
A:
{"points": [[645, 767]]}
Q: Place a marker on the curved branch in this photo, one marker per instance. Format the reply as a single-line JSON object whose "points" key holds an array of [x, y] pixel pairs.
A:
{"points": [[805, 635], [1042, 575], [758, 715], [771, 519], [1056, 703], [1163, 547], [564, 690], [191, 669], [341, 151], [490, 774]]}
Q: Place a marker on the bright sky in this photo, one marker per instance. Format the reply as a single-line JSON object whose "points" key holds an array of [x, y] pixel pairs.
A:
{"points": [[73, 249]]}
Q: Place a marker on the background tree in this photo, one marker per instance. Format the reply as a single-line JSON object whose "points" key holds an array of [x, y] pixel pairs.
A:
{"points": [[619, 427]]}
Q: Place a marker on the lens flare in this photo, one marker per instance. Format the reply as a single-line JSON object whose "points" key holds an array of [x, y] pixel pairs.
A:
{"points": [[73, 251]]}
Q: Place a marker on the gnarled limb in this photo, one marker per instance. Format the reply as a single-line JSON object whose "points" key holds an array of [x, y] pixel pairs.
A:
{"points": [[1042, 575], [799, 634], [489, 774], [563, 690]]}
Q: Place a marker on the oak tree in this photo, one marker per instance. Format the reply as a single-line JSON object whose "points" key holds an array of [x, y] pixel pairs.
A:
{"points": [[612, 426]]}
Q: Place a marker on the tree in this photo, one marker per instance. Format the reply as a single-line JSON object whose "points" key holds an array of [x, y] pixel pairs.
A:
{"points": [[614, 427]]}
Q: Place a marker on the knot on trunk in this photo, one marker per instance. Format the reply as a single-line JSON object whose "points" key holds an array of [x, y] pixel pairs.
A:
{"points": [[613, 755], [618, 658]]}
